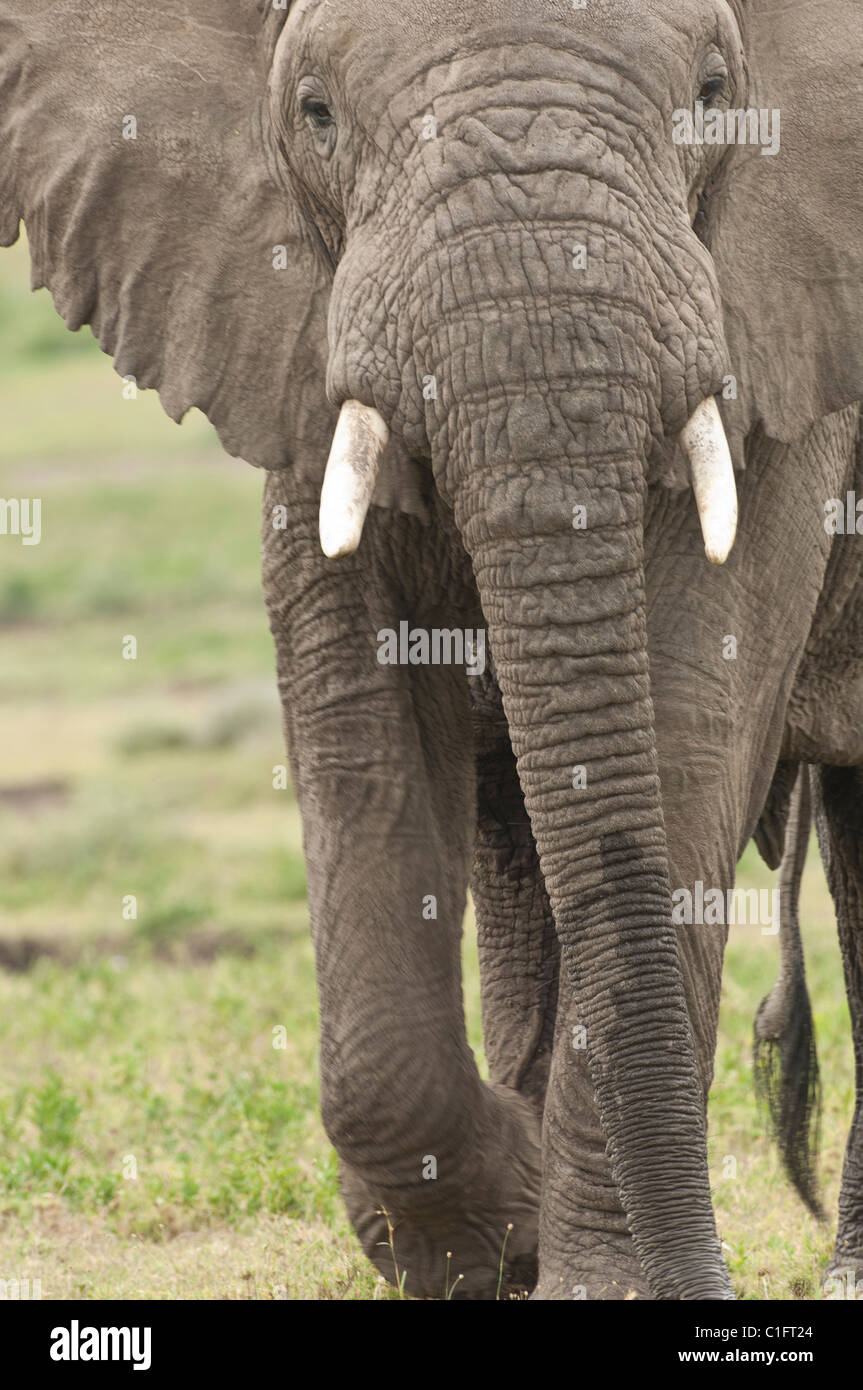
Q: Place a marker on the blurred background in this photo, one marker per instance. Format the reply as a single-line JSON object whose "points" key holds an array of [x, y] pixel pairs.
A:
{"points": [[159, 1132]]}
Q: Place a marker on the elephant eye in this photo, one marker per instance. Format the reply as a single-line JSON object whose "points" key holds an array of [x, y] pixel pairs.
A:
{"points": [[319, 114], [710, 89]]}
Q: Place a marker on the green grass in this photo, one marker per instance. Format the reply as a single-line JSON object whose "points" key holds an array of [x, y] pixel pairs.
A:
{"points": [[153, 1141], [774, 1248]]}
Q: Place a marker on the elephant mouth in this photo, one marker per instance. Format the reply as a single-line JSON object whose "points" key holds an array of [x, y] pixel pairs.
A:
{"points": [[362, 435]]}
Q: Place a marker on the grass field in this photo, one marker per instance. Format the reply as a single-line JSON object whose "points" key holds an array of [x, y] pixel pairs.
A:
{"points": [[154, 1143]]}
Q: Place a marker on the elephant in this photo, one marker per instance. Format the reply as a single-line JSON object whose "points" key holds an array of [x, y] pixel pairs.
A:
{"points": [[530, 311]]}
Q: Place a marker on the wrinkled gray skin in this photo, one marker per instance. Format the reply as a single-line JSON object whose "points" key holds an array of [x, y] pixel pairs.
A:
{"points": [[407, 257]]}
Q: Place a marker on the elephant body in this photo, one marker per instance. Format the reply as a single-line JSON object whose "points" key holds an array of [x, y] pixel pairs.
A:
{"points": [[471, 233], [719, 746]]}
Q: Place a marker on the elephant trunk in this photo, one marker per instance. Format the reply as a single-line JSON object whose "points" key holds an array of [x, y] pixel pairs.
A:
{"points": [[556, 544]]}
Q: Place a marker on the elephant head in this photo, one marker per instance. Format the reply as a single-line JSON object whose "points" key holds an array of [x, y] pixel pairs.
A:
{"points": [[471, 236]]}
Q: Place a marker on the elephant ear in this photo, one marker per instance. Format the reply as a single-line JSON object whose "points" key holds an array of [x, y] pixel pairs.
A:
{"points": [[134, 147], [786, 230]]}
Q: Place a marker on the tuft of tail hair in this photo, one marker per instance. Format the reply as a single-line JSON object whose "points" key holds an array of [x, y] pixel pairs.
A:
{"points": [[785, 1059]]}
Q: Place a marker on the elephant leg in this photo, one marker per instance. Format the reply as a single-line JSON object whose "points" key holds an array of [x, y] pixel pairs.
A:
{"points": [[838, 796], [435, 1165], [518, 950]]}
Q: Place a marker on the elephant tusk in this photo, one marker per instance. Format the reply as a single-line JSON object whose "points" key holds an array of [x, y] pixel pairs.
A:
{"points": [[703, 439], [349, 481]]}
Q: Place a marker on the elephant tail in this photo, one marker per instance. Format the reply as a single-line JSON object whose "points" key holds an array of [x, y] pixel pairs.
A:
{"points": [[785, 1058]]}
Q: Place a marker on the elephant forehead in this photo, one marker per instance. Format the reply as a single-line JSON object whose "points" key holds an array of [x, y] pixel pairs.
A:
{"points": [[649, 37], [448, 18]]}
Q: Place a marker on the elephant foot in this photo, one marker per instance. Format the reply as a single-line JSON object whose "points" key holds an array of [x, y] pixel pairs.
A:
{"points": [[569, 1288], [472, 1238], [843, 1278], [596, 1271]]}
